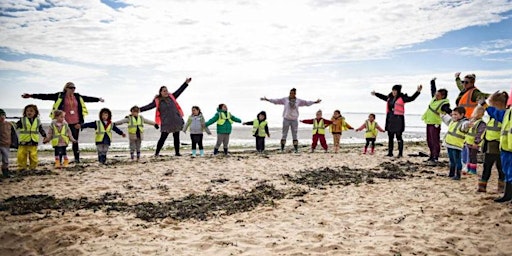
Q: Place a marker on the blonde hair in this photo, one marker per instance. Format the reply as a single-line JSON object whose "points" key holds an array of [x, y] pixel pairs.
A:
{"points": [[478, 113]]}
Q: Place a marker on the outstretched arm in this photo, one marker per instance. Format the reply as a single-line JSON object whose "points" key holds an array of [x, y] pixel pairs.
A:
{"points": [[41, 96], [380, 96], [182, 88], [301, 103], [91, 99], [406, 98], [361, 127], [149, 106], [275, 101], [212, 120]]}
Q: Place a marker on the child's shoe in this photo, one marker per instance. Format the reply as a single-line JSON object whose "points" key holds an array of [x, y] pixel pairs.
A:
{"points": [[455, 178], [193, 153], [66, 163], [482, 186], [372, 151], [364, 150], [501, 186]]}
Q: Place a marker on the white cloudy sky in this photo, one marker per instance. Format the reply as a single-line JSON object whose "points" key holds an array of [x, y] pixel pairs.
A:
{"points": [[239, 51]]}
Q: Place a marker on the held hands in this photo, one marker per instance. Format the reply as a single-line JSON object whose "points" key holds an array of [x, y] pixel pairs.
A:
{"points": [[318, 101], [77, 126], [264, 98], [156, 126], [124, 135]]}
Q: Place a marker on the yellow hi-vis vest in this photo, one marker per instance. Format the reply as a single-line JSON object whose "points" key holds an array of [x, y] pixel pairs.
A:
{"points": [[371, 130], [506, 132], [471, 135], [256, 125], [433, 113], [29, 131], [101, 131], [134, 123], [63, 133], [59, 101], [455, 136], [493, 130], [222, 118], [318, 127]]}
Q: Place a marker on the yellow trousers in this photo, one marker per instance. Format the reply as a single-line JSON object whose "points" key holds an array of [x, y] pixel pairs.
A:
{"points": [[23, 153]]}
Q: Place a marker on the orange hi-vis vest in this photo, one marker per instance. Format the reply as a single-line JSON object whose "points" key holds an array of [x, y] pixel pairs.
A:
{"points": [[467, 103], [399, 108], [158, 120]]}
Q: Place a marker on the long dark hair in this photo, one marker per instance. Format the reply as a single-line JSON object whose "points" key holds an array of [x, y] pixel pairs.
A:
{"points": [[198, 109], [159, 95], [33, 107]]}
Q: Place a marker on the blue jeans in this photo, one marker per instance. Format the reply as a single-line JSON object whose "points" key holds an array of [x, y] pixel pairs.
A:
{"points": [[465, 155], [455, 162]]}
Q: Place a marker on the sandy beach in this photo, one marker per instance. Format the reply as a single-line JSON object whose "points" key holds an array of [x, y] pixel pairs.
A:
{"points": [[250, 204]]}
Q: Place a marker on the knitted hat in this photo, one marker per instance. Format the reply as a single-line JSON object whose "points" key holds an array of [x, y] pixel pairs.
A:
{"points": [[397, 87], [509, 102], [2, 112]]}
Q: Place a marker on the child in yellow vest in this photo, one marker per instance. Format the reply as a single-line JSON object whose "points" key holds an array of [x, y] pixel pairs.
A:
{"points": [[319, 125], [474, 138], [60, 135], [224, 119], [104, 128], [135, 130], [458, 126], [260, 130], [372, 129], [30, 127], [337, 127]]}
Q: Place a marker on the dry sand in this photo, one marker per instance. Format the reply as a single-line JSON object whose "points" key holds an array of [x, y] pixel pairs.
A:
{"points": [[425, 213]]}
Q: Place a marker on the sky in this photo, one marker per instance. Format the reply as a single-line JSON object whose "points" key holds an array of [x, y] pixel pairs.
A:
{"points": [[239, 51]]}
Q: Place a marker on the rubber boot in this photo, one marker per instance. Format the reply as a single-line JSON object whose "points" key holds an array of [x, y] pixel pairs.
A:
{"points": [[372, 151], [215, 151], [400, 148], [482, 186], [507, 196], [193, 153], [390, 148], [5, 173], [225, 151], [501, 186], [201, 152], [132, 155], [77, 157], [138, 156], [57, 163], [296, 146], [364, 150], [66, 163]]}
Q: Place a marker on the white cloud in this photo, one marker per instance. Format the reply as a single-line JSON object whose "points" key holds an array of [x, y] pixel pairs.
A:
{"points": [[501, 46]]}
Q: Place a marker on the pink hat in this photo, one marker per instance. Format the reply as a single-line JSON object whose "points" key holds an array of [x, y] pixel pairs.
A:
{"points": [[509, 102]]}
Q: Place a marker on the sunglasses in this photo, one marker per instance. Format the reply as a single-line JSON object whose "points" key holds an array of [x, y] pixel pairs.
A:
{"points": [[72, 88], [465, 82]]}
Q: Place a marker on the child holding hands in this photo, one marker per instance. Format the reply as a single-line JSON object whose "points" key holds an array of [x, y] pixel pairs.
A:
{"points": [[319, 125], [372, 129], [260, 130], [60, 135], [197, 126]]}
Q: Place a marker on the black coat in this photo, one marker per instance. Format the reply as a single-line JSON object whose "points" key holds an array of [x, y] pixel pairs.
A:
{"points": [[395, 123]]}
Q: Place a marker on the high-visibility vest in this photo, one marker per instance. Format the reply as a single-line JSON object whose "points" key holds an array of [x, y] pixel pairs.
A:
{"points": [[318, 127], [222, 118], [134, 123], [29, 131], [467, 103], [101, 131], [399, 107], [59, 100], [455, 136], [433, 113], [493, 130], [260, 127], [57, 135], [471, 135], [506, 132], [158, 120], [371, 130]]}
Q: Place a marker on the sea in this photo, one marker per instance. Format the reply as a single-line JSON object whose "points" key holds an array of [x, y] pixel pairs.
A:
{"points": [[241, 135]]}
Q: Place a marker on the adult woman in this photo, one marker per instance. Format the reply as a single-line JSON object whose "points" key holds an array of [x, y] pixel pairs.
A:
{"points": [[395, 121], [168, 115], [73, 104]]}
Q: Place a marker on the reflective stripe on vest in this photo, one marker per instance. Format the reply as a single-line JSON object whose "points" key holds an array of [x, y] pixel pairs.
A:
{"points": [[101, 131], [398, 108], [29, 131], [506, 132], [371, 130], [318, 127], [471, 135], [493, 130], [57, 103], [134, 123], [57, 135], [433, 113], [467, 103], [260, 127], [455, 136], [222, 118]]}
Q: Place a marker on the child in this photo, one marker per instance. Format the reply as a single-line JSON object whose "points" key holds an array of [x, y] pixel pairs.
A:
{"points": [[319, 125], [260, 130], [197, 126], [104, 128], [29, 126], [60, 134], [135, 130], [5, 143], [458, 126], [438, 106], [474, 138], [337, 127], [223, 127], [371, 132], [491, 145]]}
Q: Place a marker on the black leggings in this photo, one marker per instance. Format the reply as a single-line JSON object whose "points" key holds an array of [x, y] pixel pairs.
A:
{"points": [[391, 136], [163, 137], [368, 141], [489, 160], [75, 132], [197, 140], [60, 152], [260, 144]]}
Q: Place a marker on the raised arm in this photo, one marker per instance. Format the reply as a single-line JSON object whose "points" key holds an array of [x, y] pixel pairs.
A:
{"points": [[433, 88], [182, 88], [407, 98], [380, 96]]}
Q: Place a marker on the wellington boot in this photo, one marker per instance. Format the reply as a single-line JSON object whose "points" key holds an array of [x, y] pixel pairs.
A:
{"points": [[501, 186], [57, 163], [482, 186], [507, 195], [66, 163]]}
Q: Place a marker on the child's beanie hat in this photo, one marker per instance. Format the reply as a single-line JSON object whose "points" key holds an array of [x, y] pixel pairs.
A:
{"points": [[2, 112]]}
